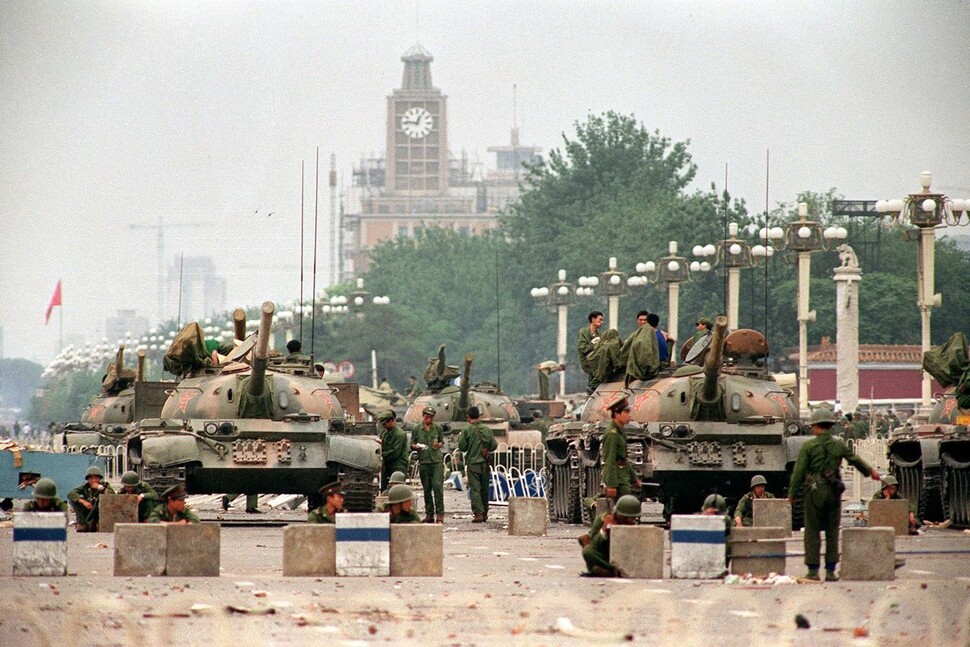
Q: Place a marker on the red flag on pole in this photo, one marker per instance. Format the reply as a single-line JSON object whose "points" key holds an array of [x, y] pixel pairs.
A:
{"points": [[55, 301]]}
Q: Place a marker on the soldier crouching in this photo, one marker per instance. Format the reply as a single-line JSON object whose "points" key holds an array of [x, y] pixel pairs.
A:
{"points": [[596, 543]]}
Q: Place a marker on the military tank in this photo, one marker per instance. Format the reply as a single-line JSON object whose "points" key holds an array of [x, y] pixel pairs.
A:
{"points": [[931, 459], [246, 425], [694, 430]]}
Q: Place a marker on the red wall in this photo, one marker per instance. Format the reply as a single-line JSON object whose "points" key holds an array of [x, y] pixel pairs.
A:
{"points": [[881, 384]]}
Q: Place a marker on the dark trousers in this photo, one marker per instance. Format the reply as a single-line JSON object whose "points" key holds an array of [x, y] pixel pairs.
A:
{"points": [[478, 475], [823, 511], [432, 481]]}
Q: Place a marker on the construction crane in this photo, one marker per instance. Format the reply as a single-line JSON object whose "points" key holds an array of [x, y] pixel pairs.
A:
{"points": [[160, 228]]}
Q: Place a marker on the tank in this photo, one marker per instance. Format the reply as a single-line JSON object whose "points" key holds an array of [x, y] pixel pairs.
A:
{"points": [[694, 430], [251, 425], [931, 459]]}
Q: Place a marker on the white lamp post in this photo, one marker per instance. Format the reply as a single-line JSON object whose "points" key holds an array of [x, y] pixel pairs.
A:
{"points": [[560, 295], [732, 255], [613, 286]]}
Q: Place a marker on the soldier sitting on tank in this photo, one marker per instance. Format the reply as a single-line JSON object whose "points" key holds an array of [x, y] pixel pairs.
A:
{"points": [[172, 510], [400, 505], [619, 478], [84, 499], [147, 497], [890, 490], [295, 355], [596, 543], [333, 496], [744, 512], [45, 498], [705, 329]]}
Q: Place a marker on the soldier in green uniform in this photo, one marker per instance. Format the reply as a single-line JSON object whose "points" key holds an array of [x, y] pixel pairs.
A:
{"points": [[400, 501], [715, 505], [294, 349], [84, 499], [890, 490], [882, 424], [744, 512], [586, 343], [394, 446], [172, 510], [476, 444], [147, 497], [596, 545], [45, 498], [817, 471], [427, 440], [333, 502], [618, 477]]}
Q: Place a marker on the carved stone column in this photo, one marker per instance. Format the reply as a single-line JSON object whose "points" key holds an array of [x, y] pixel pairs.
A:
{"points": [[847, 277]]}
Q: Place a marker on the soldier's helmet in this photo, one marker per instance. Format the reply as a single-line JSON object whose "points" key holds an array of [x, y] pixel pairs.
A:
{"points": [[627, 506], [396, 478], [822, 416], [889, 479], [758, 479], [94, 470], [129, 478], [45, 489], [399, 494], [715, 501]]}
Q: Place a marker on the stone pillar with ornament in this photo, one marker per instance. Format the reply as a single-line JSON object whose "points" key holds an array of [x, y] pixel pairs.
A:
{"points": [[847, 277]]}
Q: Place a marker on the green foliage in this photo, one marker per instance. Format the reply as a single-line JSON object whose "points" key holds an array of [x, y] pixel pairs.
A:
{"points": [[18, 380], [65, 397]]}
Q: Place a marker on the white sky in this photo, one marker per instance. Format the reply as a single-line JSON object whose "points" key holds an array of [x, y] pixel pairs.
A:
{"points": [[115, 113]]}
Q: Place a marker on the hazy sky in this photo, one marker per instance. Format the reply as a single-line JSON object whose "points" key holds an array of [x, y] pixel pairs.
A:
{"points": [[116, 113]]}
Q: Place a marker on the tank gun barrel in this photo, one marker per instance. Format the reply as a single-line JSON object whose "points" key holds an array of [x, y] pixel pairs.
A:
{"points": [[261, 350], [466, 383], [239, 323], [120, 360], [140, 374], [712, 363]]}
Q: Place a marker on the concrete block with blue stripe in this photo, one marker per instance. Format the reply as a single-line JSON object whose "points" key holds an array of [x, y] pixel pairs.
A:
{"points": [[363, 544], [697, 546], [40, 543]]}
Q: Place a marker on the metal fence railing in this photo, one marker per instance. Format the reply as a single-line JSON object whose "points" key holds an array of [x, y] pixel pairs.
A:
{"points": [[874, 451], [115, 457]]}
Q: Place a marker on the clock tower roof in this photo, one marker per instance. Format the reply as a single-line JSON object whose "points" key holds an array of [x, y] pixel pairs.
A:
{"points": [[417, 68]]}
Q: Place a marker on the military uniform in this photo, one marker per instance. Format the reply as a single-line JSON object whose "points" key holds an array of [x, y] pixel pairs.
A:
{"points": [[745, 508], [585, 345], [160, 513], [475, 440], [406, 516], [148, 502], [616, 472], [395, 453], [817, 469], [56, 506], [596, 554], [319, 515], [431, 467], [87, 519]]}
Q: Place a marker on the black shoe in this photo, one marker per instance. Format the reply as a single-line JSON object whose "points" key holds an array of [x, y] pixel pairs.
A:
{"points": [[225, 504], [254, 511]]}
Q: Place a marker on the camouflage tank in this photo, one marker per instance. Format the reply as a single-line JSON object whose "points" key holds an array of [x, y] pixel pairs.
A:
{"points": [[250, 426], [124, 397], [694, 430], [931, 459]]}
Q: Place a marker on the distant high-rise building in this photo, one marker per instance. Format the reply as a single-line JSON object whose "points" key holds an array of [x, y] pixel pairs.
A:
{"points": [[195, 289], [125, 325], [502, 183]]}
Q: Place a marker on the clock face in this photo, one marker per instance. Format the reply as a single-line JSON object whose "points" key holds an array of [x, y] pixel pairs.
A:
{"points": [[416, 123]]}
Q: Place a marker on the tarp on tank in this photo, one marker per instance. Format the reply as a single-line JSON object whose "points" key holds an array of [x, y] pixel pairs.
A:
{"points": [[187, 352], [948, 363], [643, 354]]}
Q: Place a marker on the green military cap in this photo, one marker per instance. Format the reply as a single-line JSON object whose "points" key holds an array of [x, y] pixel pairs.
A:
{"points": [[384, 416], [129, 478], [396, 477], [174, 492], [889, 479], [758, 479], [428, 411], [336, 487], [399, 494], [715, 501], [623, 404], [705, 321], [94, 470], [823, 417], [45, 489], [627, 506]]}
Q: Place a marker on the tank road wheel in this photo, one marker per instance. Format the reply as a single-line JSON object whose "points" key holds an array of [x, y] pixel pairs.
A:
{"points": [[563, 490], [956, 491], [589, 485], [360, 490]]}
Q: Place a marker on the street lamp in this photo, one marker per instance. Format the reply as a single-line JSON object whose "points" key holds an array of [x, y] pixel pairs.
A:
{"points": [[925, 210], [560, 295], [613, 287]]}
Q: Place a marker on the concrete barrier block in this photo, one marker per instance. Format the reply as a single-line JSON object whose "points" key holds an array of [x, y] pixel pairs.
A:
{"points": [[140, 549], [638, 551], [772, 513], [697, 546], [417, 550], [193, 550], [310, 550], [363, 544], [891, 513], [758, 551], [40, 543], [116, 508], [528, 516], [868, 554]]}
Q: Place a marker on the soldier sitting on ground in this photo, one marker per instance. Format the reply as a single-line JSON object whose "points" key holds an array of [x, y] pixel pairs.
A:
{"points": [[333, 496], [84, 499], [596, 543], [890, 490], [172, 510], [147, 497], [45, 498], [400, 503], [397, 478], [715, 505], [744, 512]]}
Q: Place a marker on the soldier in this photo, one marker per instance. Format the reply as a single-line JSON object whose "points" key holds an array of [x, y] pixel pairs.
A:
{"points": [[400, 502], [596, 544], [716, 506], [427, 440], [476, 444], [586, 343], [333, 496], [414, 389], [744, 512], [817, 469], [394, 447], [172, 510], [704, 329], [147, 497], [618, 476], [890, 490], [295, 349], [544, 370], [882, 425], [45, 498], [84, 499]]}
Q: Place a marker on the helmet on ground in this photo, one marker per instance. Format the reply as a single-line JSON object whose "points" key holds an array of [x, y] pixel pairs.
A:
{"points": [[129, 478], [399, 494], [627, 506], [396, 477], [889, 479], [822, 416], [45, 489], [758, 479], [94, 470], [715, 501]]}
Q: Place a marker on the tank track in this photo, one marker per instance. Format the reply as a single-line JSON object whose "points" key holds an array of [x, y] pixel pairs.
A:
{"points": [[591, 476], [360, 489], [563, 490], [956, 491]]}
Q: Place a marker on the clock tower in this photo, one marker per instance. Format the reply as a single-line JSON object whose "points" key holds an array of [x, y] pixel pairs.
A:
{"points": [[417, 129]]}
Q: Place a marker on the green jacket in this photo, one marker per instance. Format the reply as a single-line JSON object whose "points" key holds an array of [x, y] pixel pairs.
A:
{"points": [[319, 515], [616, 471], [88, 493], [406, 517], [878, 495], [148, 503], [56, 506], [395, 450], [160, 513], [821, 454], [473, 439], [435, 434], [585, 345], [745, 508]]}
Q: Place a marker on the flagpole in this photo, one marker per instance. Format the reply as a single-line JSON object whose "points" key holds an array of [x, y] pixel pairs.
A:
{"points": [[60, 319]]}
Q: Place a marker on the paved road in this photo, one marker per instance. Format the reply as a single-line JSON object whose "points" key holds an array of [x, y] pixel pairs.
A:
{"points": [[496, 589]]}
